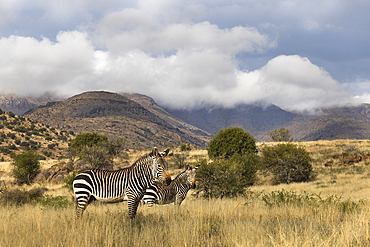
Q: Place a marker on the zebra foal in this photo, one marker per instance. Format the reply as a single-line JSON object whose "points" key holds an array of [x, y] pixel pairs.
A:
{"points": [[113, 186], [175, 192]]}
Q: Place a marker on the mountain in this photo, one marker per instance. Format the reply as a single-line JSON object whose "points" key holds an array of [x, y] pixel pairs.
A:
{"points": [[257, 119], [19, 105], [149, 104], [327, 124], [115, 116], [143, 123], [19, 133], [350, 122]]}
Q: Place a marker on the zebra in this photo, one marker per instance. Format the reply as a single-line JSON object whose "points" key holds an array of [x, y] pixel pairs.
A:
{"points": [[113, 186], [175, 192]]}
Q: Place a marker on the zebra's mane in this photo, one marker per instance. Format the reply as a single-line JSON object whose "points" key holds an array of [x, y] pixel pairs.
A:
{"points": [[180, 175], [142, 159]]}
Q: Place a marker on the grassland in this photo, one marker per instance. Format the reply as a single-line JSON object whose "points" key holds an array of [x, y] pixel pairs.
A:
{"points": [[333, 210]]}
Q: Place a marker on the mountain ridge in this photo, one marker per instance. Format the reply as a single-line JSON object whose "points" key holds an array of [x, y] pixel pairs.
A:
{"points": [[199, 125], [114, 115]]}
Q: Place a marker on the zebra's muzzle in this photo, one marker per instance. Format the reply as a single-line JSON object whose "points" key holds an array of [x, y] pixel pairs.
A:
{"points": [[168, 181]]}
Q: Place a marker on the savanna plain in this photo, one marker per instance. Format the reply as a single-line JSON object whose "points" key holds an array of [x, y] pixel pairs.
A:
{"points": [[332, 210]]}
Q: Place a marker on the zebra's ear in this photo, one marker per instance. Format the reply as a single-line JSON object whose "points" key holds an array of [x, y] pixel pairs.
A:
{"points": [[165, 152], [155, 151], [187, 167]]}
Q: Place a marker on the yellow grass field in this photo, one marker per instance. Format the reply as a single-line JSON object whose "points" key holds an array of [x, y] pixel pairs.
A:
{"points": [[333, 210]]}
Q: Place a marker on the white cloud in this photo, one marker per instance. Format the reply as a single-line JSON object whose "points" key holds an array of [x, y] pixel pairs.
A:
{"points": [[181, 54], [186, 79], [29, 66]]}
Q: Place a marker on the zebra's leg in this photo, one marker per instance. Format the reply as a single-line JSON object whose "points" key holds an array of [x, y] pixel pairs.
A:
{"points": [[150, 203], [81, 203], [132, 203], [178, 200]]}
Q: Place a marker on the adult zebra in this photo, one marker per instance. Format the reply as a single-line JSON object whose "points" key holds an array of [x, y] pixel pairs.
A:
{"points": [[175, 192], [113, 186]]}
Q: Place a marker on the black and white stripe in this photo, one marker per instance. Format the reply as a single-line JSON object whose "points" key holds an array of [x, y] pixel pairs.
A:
{"points": [[176, 192], [113, 186]]}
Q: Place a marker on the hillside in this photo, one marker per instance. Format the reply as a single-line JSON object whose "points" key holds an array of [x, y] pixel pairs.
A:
{"points": [[326, 124], [20, 105], [258, 119], [149, 104], [19, 133], [198, 125], [115, 116]]}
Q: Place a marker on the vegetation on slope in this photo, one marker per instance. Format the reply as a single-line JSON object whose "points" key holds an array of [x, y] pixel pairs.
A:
{"points": [[114, 116], [20, 133]]}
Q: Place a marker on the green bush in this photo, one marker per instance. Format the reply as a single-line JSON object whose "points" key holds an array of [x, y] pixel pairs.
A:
{"points": [[280, 135], [226, 177], [69, 181], [26, 167], [88, 139], [18, 197], [95, 149], [54, 201], [283, 198], [288, 162], [185, 147], [230, 141]]}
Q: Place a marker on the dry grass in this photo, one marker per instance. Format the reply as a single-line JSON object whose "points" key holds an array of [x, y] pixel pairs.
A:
{"points": [[228, 222], [243, 221]]}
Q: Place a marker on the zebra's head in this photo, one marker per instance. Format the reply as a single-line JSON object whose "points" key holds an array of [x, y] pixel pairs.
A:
{"points": [[160, 170], [191, 173]]}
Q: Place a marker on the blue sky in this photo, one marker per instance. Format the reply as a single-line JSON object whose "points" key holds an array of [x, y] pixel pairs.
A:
{"points": [[298, 55]]}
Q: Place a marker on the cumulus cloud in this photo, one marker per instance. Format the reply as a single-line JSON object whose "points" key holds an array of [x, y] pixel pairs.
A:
{"points": [[184, 55], [29, 66], [189, 78]]}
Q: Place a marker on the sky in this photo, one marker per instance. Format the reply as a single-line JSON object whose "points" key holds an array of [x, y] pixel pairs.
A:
{"points": [[299, 55]]}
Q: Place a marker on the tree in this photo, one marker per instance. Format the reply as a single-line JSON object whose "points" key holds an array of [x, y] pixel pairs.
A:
{"points": [[230, 141], [280, 135], [97, 156], [180, 158], [288, 162], [95, 149], [226, 177], [88, 139], [26, 167]]}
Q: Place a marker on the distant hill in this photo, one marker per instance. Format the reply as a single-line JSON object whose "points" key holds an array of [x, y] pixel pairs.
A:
{"points": [[144, 123], [326, 124], [149, 104], [258, 119], [115, 116], [19, 105], [333, 123], [19, 133]]}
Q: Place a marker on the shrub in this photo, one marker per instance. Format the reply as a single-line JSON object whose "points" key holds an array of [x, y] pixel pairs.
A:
{"points": [[230, 141], [26, 167], [179, 159], [54, 201], [288, 162], [280, 135], [226, 177], [19, 197], [87, 139], [69, 181], [97, 156], [185, 147]]}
